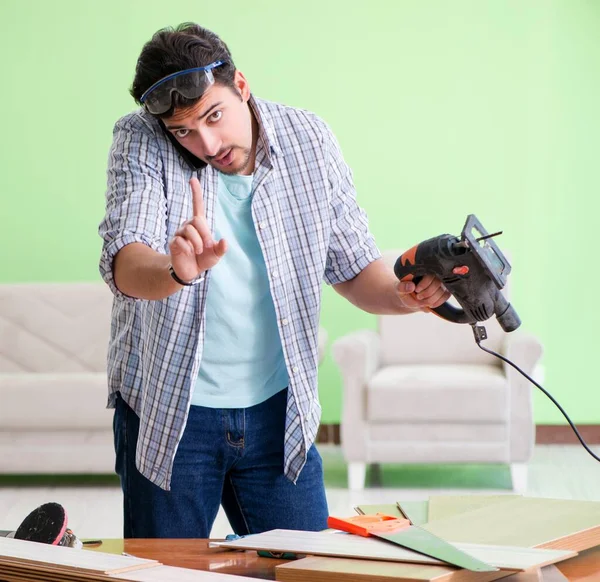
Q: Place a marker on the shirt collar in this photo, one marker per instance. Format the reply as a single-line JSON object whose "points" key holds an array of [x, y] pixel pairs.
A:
{"points": [[266, 131]]}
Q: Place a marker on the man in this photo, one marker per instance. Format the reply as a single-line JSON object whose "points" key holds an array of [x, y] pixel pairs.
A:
{"points": [[224, 213]]}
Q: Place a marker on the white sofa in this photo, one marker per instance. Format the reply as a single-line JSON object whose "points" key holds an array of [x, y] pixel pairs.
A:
{"points": [[419, 390], [53, 388], [53, 416]]}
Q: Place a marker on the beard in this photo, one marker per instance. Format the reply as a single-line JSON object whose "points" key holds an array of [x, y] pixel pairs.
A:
{"points": [[233, 168]]}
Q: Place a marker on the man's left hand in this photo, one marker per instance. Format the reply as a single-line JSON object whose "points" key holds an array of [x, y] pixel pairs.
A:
{"points": [[428, 294]]}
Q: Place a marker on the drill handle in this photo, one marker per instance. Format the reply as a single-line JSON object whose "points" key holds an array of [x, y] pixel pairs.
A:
{"points": [[451, 313], [409, 268], [413, 266]]}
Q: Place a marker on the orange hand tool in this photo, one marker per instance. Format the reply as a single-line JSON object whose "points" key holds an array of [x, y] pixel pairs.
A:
{"points": [[401, 532]]}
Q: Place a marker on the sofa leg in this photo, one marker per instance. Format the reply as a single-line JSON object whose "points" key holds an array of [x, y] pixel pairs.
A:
{"points": [[356, 475], [518, 473], [375, 475]]}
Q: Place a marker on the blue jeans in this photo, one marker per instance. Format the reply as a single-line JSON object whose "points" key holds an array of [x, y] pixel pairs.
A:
{"points": [[230, 457]]}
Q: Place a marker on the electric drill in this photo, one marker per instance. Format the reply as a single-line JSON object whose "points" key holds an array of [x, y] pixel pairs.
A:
{"points": [[474, 270], [471, 267]]}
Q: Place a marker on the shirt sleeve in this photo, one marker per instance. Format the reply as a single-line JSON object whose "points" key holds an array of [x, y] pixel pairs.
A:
{"points": [[351, 246], [135, 200]]}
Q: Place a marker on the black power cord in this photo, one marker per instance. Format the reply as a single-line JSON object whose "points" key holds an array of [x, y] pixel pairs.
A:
{"points": [[481, 334]]}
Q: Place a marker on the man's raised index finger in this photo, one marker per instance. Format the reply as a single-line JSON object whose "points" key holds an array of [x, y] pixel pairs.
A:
{"points": [[197, 198]]}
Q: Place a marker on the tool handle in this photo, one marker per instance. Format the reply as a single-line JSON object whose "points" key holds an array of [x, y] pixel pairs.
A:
{"points": [[412, 266], [367, 525]]}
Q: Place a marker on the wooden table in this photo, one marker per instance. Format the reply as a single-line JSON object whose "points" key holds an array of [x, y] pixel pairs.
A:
{"points": [[583, 568], [196, 554]]}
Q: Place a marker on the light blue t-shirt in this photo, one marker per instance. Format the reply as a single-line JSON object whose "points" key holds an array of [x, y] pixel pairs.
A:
{"points": [[242, 360]]}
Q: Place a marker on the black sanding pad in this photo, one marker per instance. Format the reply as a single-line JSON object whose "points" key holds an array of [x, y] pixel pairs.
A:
{"points": [[46, 524]]}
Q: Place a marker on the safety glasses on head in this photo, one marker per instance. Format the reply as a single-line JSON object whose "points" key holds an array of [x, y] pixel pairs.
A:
{"points": [[190, 83]]}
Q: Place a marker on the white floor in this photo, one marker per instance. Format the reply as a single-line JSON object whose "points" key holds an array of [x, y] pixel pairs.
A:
{"points": [[555, 471]]}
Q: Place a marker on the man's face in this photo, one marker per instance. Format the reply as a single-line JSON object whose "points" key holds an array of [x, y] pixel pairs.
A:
{"points": [[218, 129]]}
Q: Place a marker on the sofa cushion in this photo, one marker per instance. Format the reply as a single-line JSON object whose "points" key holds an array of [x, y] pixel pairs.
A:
{"points": [[35, 402], [438, 433], [443, 393], [57, 452], [54, 327]]}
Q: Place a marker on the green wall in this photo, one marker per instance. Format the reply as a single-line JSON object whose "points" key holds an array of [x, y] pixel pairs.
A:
{"points": [[442, 108]]}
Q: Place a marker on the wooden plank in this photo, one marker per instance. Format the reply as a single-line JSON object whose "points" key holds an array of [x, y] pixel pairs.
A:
{"points": [[51, 574], [351, 546], [47, 556], [20, 574], [28, 573], [173, 574], [322, 569], [526, 522], [443, 506]]}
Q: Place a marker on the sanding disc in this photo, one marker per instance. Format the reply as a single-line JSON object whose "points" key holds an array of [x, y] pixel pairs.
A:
{"points": [[46, 524]]}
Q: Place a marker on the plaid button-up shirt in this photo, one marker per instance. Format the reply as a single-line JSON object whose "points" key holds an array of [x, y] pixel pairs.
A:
{"points": [[309, 227]]}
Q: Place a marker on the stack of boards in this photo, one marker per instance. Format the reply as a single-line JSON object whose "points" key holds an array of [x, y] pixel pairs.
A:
{"points": [[23, 561], [513, 533]]}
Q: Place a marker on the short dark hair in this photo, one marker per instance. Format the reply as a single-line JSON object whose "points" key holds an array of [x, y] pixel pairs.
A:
{"points": [[171, 50]]}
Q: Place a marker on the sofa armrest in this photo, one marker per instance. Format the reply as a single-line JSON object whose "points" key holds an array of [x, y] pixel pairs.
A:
{"points": [[525, 351], [357, 356]]}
